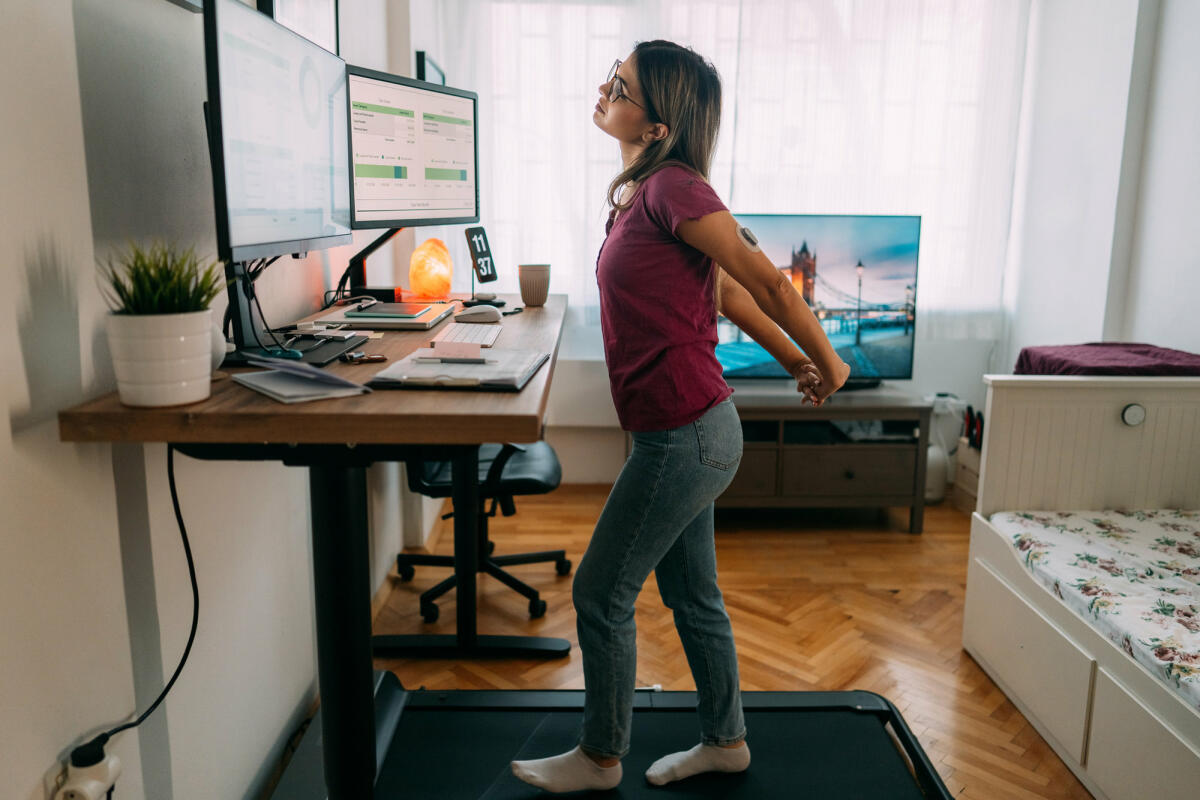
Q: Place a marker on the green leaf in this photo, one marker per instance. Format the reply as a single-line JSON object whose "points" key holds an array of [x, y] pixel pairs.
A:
{"points": [[160, 278], [1164, 608]]}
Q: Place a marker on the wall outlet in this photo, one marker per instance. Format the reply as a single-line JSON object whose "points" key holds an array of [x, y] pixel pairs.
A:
{"points": [[53, 779], [92, 782]]}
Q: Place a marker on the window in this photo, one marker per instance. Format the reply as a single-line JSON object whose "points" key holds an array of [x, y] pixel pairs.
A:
{"points": [[830, 106]]}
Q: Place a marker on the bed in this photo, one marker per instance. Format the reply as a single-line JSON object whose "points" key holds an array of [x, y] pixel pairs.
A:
{"points": [[1083, 581]]}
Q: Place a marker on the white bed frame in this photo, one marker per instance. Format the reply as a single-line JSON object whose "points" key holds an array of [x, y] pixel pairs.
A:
{"points": [[1058, 443]]}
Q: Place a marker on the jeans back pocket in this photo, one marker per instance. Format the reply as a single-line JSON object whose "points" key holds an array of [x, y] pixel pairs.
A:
{"points": [[719, 436]]}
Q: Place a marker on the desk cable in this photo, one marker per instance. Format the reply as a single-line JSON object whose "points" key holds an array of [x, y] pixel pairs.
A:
{"points": [[91, 753]]}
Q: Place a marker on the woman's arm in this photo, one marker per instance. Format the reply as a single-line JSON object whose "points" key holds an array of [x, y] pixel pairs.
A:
{"points": [[716, 235], [736, 304]]}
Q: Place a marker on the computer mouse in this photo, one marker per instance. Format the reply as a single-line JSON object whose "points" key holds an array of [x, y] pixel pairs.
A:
{"points": [[479, 313]]}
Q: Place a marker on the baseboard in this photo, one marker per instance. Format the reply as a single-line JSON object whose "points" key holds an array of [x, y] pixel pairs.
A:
{"points": [[380, 598], [281, 754]]}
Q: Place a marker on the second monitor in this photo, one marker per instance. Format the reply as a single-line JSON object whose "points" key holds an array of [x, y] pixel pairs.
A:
{"points": [[413, 152]]}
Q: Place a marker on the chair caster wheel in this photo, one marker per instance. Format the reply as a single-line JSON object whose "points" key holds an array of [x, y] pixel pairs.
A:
{"points": [[429, 613], [406, 572], [537, 608], [563, 566]]}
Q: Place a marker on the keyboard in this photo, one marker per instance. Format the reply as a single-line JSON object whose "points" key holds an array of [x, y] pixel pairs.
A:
{"points": [[471, 333]]}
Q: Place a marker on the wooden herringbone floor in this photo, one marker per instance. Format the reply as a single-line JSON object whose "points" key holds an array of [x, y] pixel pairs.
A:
{"points": [[820, 600]]}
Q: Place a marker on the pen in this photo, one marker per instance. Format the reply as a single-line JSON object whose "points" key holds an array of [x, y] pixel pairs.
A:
{"points": [[450, 360], [365, 304]]}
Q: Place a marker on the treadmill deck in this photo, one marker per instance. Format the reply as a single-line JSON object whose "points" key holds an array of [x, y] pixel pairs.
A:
{"points": [[803, 744]]}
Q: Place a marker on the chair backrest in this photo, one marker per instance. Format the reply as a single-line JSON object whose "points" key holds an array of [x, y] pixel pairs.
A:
{"points": [[504, 471]]}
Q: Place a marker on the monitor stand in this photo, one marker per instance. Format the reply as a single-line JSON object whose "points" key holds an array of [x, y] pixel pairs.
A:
{"points": [[247, 327], [246, 324]]}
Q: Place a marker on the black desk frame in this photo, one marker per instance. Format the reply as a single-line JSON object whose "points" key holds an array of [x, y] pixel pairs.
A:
{"points": [[359, 713]]}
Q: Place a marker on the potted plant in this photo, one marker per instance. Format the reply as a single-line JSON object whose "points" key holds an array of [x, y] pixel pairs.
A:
{"points": [[160, 328]]}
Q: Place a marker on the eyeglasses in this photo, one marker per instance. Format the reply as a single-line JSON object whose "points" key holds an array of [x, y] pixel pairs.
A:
{"points": [[616, 87]]}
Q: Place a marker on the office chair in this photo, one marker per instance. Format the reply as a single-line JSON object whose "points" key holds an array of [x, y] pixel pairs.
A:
{"points": [[504, 472]]}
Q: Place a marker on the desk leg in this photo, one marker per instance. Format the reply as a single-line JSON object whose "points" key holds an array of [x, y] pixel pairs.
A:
{"points": [[465, 496], [467, 641], [342, 593]]}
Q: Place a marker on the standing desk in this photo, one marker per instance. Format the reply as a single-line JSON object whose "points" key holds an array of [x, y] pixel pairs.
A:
{"points": [[337, 440]]}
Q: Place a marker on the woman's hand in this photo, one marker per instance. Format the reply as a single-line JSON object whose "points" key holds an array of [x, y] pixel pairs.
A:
{"points": [[808, 377], [829, 382]]}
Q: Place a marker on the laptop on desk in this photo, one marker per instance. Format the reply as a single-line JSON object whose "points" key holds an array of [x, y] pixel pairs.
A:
{"points": [[436, 313]]}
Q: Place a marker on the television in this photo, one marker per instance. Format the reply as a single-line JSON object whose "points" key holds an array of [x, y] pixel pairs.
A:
{"points": [[858, 273], [414, 153], [277, 135]]}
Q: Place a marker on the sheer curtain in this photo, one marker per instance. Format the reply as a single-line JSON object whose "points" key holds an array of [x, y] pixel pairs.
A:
{"points": [[830, 106]]}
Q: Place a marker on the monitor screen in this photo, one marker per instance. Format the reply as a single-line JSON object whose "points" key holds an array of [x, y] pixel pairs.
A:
{"points": [[414, 153], [277, 128], [859, 276]]}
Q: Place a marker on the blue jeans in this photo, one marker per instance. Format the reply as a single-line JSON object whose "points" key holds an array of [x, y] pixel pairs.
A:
{"points": [[659, 516]]}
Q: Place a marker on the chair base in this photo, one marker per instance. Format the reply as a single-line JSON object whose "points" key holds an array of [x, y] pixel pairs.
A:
{"points": [[491, 565]]}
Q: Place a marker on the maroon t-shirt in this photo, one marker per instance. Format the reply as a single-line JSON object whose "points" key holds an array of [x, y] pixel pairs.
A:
{"points": [[657, 310]]}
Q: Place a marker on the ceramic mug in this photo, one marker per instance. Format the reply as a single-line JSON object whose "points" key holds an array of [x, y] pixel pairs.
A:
{"points": [[535, 283]]}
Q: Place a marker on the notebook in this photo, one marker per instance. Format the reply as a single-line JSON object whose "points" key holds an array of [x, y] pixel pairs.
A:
{"points": [[436, 313], [504, 371], [296, 382]]}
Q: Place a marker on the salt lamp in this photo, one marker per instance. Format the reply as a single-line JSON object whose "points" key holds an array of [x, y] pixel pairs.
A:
{"points": [[429, 270]]}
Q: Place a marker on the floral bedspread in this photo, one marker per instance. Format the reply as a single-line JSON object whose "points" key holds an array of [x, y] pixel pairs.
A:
{"points": [[1132, 575]]}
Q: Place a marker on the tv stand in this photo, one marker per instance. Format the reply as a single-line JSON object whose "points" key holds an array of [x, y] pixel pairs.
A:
{"points": [[860, 449]]}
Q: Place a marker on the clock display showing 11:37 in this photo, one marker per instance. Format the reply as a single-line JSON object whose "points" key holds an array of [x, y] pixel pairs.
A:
{"points": [[481, 254]]}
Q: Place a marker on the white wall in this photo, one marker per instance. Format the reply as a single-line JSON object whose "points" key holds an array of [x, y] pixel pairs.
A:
{"points": [[1077, 169], [1164, 284], [103, 140], [64, 643]]}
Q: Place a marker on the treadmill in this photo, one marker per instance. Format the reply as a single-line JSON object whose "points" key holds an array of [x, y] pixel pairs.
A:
{"points": [[447, 745]]}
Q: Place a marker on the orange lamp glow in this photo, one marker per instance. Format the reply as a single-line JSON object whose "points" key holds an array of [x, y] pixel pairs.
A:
{"points": [[429, 270]]}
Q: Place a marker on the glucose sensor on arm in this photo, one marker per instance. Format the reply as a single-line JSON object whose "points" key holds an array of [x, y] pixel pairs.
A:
{"points": [[748, 239]]}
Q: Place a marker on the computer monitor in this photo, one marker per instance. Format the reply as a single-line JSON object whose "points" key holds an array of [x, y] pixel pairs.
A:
{"points": [[414, 152], [277, 134], [858, 273]]}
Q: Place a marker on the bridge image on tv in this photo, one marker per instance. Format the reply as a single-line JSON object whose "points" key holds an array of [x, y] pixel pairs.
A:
{"points": [[859, 276]]}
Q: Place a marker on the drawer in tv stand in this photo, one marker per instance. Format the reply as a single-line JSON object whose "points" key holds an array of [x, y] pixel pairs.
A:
{"points": [[793, 468]]}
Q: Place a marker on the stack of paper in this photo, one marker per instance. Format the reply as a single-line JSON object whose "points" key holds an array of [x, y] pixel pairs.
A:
{"points": [[295, 381]]}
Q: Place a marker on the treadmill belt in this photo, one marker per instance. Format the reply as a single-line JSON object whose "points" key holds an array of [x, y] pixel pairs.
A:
{"points": [[465, 753]]}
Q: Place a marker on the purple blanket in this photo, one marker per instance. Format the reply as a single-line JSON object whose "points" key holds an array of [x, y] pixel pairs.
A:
{"points": [[1106, 358]]}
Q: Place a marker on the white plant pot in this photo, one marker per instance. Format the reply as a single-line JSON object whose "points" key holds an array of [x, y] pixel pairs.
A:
{"points": [[162, 359]]}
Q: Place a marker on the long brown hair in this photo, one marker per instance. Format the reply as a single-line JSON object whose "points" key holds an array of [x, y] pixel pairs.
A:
{"points": [[683, 91]]}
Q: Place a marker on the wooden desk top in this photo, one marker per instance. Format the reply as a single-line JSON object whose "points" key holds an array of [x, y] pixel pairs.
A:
{"points": [[236, 414]]}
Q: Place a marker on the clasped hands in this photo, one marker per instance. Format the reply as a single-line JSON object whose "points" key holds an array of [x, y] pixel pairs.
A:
{"points": [[813, 385]]}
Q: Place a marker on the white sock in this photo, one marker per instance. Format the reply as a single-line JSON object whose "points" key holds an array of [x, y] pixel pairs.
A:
{"points": [[701, 758], [572, 771]]}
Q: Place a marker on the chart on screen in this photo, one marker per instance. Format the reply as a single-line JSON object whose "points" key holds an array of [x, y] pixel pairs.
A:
{"points": [[413, 151]]}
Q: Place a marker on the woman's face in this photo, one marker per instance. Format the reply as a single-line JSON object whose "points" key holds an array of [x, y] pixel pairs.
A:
{"points": [[624, 118]]}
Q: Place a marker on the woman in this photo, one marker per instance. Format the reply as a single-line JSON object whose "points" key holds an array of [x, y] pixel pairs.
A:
{"points": [[660, 289]]}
